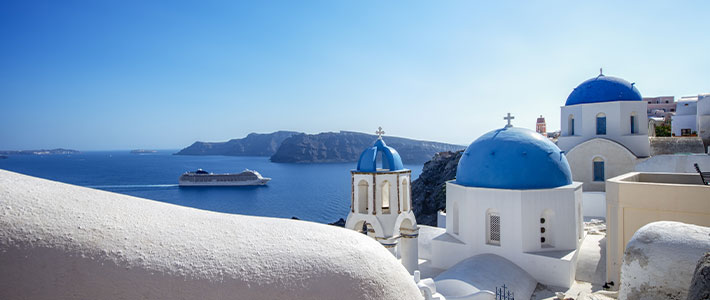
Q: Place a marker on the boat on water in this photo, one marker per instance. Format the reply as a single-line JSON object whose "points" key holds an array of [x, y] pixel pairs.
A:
{"points": [[142, 151], [204, 178]]}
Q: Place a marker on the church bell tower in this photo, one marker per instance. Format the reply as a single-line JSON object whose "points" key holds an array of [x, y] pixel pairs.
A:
{"points": [[381, 204]]}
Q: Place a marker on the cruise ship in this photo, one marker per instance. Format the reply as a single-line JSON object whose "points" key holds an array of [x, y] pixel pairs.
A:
{"points": [[204, 178]]}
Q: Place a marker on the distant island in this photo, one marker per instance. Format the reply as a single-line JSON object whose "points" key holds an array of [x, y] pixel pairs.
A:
{"points": [[39, 152], [142, 151], [327, 147], [254, 144]]}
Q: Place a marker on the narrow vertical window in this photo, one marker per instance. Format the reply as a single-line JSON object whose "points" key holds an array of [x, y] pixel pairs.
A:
{"points": [[570, 125], [493, 234], [601, 124], [546, 226], [405, 195], [598, 166], [362, 196], [386, 197], [633, 124]]}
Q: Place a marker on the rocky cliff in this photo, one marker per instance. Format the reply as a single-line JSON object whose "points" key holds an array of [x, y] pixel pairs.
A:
{"points": [[254, 144], [429, 190], [346, 146]]}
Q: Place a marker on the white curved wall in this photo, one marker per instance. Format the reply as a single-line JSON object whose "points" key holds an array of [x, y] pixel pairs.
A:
{"points": [[617, 160], [59, 241]]}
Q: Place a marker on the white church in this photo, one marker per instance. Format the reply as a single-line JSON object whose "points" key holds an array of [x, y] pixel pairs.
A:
{"points": [[513, 206], [604, 130]]}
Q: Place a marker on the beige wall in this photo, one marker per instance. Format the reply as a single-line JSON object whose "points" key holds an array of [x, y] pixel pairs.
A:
{"points": [[617, 160], [636, 199]]}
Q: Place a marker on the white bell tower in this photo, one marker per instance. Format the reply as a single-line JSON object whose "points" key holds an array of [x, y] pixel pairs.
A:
{"points": [[381, 203]]}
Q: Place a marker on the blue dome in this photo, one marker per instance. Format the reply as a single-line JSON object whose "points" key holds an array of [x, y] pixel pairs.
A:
{"points": [[603, 89], [513, 158], [390, 158]]}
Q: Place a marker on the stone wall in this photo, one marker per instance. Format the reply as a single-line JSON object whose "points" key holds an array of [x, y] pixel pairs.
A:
{"points": [[672, 145]]}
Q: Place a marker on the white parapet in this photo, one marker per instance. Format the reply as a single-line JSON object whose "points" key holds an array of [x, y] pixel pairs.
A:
{"points": [[59, 241]]}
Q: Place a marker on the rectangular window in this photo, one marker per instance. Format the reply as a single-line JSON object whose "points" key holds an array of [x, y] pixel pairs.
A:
{"points": [[685, 132], [494, 229], [633, 124], [601, 125], [571, 127], [598, 171]]}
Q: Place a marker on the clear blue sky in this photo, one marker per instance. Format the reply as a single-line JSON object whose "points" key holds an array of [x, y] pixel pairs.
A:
{"points": [[93, 75]]}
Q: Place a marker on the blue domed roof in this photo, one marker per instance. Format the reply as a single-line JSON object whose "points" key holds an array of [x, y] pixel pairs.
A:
{"points": [[513, 158], [390, 158], [603, 89]]}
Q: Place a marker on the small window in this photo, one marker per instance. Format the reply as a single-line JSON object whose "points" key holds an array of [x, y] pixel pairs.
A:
{"points": [[633, 124], [493, 228], [570, 124], [546, 238], [685, 132], [598, 169], [386, 197], [362, 196], [601, 124]]}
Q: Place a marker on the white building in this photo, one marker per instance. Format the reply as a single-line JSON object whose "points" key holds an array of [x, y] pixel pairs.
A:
{"points": [[604, 130], [684, 123], [704, 119], [513, 197], [381, 202]]}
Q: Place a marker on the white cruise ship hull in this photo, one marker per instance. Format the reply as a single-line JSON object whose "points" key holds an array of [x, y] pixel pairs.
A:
{"points": [[215, 182], [203, 178]]}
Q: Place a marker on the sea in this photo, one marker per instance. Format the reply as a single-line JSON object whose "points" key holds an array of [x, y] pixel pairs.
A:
{"points": [[314, 192]]}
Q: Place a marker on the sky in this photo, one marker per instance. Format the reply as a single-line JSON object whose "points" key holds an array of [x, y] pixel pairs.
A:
{"points": [[110, 75]]}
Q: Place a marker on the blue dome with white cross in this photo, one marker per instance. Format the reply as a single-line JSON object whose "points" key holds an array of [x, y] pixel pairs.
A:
{"points": [[513, 158], [387, 155], [604, 89]]}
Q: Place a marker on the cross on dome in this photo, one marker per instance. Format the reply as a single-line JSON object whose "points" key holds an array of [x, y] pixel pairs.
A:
{"points": [[379, 132], [508, 118]]}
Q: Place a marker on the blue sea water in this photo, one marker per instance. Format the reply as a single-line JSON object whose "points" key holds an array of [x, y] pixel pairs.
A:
{"points": [[314, 192]]}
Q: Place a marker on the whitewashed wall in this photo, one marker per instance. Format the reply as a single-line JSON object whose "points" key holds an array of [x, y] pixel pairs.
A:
{"points": [[617, 160], [520, 212], [618, 125], [660, 259], [59, 241]]}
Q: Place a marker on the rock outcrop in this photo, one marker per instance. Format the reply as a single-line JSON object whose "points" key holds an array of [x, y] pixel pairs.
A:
{"points": [[346, 146], [700, 286], [429, 190], [254, 144]]}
